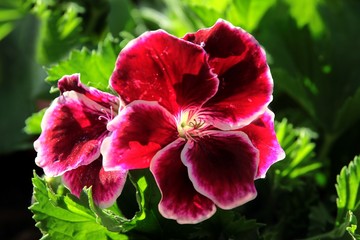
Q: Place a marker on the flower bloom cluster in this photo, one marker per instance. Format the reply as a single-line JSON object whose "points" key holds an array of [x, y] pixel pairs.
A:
{"points": [[194, 110]]}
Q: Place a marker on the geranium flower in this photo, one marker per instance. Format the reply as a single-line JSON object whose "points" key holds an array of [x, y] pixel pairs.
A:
{"points": [[198, 115], [73, 129]]}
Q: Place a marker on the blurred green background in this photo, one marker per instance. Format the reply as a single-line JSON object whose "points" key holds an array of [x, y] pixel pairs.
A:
{"points": [[313, 49]]}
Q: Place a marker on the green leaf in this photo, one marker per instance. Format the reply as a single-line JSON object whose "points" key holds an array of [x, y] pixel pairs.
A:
{"points": [[33, 123], [114, 221], [348, 190], [95, 67], [66, 25], [172, 16], [304, 66], [298, 144], [352, 226], [60, 29], [209, 11], [148, 197], [349, 225], [306, 12], [246, 13], [60, 215]]}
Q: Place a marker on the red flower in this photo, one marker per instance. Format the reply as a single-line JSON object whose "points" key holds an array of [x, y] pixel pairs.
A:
{"points": [[73, 129], [198, 115]]}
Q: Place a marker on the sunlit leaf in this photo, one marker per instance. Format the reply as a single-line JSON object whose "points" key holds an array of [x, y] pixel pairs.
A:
{"points": [[348, 190], [209, 11], [172, 16], [66, 25], [95, 67], [246, 14], [63, 216], [33, 123], [306, 12]]}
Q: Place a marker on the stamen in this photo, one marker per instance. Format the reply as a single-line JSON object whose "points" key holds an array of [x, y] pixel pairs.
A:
{"points": [[108, 117], [195, 124], [189, 125]]}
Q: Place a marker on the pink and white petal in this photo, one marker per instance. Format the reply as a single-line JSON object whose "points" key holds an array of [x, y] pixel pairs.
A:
{"points": [[180, 201], [222, 166], [262, 134], [73, 83], [140, 130], [160, 67], [246, 84], [106, 186], [72, 131]]}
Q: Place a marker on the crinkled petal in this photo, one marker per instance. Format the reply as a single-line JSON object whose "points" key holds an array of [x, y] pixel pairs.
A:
{"points": [[246, 84], [106, 186], [262, 134], [160, 67], [72, 83], [222, 167], [140, 130], [180, 201], [72, 131]]}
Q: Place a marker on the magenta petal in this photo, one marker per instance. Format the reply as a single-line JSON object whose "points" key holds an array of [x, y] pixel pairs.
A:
{"points": [[222, 167], [246, 84], [72, 83], [72, 131], [106, 186], [160, 67], [140, 130], [262, 134], [180, 201]]}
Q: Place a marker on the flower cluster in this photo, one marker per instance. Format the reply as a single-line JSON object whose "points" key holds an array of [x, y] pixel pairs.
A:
{"points": [[194, 110]]}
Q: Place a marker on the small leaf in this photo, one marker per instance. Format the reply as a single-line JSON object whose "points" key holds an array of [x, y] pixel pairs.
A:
{"points": [[348, 190], [95, 67], [60, 215], [33, 123], [298, 144]]}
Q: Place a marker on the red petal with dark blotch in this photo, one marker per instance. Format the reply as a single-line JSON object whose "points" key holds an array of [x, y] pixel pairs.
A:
{"points": [[73, 128], [106, 186], [140, 130], [160, 67], [72, 83], [262, 134], [246, 84], [222, 167], [180, 201]]}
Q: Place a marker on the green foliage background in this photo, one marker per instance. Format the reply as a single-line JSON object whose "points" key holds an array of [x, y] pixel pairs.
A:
{"points": [[313, 50]]}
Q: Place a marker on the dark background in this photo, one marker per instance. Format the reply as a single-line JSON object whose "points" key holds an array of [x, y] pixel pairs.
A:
{"points": [[16, 221]]}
